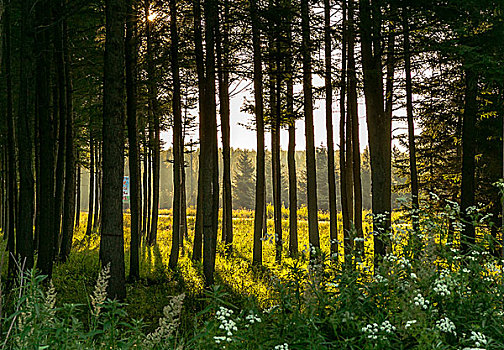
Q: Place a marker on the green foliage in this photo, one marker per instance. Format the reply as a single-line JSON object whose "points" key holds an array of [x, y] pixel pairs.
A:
{"points": [[244, 182], [424, 294]]}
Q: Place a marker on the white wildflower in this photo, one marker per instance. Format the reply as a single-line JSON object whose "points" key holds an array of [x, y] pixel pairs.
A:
{"points": [[446, 325], [420, 301], [478, 338], [100, 292], [168, 323], [410, 323]]}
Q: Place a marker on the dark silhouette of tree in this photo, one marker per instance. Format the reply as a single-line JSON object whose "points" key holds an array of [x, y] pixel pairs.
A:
{"points": [[131, 61], [313, 230], [112, 240], [260, 202]]}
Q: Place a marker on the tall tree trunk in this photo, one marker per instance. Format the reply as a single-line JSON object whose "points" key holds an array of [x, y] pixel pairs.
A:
{"points": [[291, 148], [25, 212], [11, 179], [379, 123], [209, 150], [274, 113], [131, 48], [411, 126], [146, 205], [345, 210], [98, 186], [223, 76], [70, 185], [313, 231], [200, 70], [57, 9], [112, 239], [46, 134], [354, 116], [468, 185], [178, 160], [78, 195], [89, 226], [154, 119], [331, 173], [259, 116]]}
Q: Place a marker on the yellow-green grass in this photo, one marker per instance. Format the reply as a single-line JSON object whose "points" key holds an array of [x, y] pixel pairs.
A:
{"points": [[235, 272]]}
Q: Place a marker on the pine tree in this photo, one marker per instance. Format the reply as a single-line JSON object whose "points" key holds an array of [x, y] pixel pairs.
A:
{"points": [[243, 182]]}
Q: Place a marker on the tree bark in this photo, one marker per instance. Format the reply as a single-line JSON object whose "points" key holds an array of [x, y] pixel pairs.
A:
{"points": [[70, 183], [313, 231], [112, 239], [131, 59], [345, 210], [223, 77], [331, 173], [154, 119], [291, 148], [178, 161], [25, 212], [259, 116], [468, 186], [200, 70], [11, 178], [209, 150], [98, 186], [379, 123], [354, 116], [78, 195], [46, 135], [57, 8], [411, 125], [89, 226]]}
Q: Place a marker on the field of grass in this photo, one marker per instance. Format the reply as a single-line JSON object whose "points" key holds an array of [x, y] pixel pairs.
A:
{"points": [[424, 295]]}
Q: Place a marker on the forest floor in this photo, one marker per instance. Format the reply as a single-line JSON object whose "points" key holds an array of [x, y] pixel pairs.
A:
{"points": [[422, 296]]}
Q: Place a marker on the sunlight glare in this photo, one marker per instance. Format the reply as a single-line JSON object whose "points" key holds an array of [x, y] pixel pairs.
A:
{"points": [[152, 16]]}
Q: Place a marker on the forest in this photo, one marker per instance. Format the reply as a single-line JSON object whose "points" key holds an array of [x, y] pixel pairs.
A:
{"points": [[132, 218]]}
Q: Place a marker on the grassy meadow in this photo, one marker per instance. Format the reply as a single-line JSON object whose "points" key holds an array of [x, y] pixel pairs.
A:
{"points": [[424, 295]]}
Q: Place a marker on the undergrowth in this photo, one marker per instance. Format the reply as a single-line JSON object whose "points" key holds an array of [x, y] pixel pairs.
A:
{"points": [[424, 294]]}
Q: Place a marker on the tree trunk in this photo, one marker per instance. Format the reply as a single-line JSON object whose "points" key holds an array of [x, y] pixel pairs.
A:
{"points": [[78, 196], [209, 150], [24, 219], [145, 206], [313, 231], [69, 194], [223, 76], [274, 85], [112, 239], [178, 160], [200, 70], [11, 178], [98, 186], [411, 126], [354, 116], [291, 149], [259, 116], [379, 123], [89, 226], [131, 48], [345, 210], [468, 185], [46, 134], [331, 173], [57, 8], [154, 118]]}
